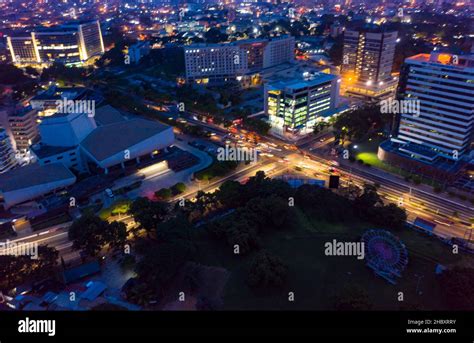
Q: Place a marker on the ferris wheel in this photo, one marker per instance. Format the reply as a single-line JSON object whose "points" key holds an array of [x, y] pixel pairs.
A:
{"points": [[385, 254]]}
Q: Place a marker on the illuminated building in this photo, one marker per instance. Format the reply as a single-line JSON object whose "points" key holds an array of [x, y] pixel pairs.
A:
{"points": [[101, 143], [295, 105], [441, 134], [367, 63], [71, 43], [24, 128], [7, 155], [236, 61]]}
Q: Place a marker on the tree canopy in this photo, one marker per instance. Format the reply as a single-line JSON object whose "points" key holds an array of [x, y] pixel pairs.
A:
{"points": [[91, 234]]}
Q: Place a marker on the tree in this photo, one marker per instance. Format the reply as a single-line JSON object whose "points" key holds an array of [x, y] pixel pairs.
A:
{"points": [[390, 216], [230, 194], [16, 270], [361, 123], [266, 271], [11, 75], [174, 229], [164, 194], [160, 263], [179, 188], [456, 286], [91, 234], [214, 35], [257, 125], [268, 212], [319, 127], [368, 200], [148, 213], [243, 234], [323, 204], [59, 72]]}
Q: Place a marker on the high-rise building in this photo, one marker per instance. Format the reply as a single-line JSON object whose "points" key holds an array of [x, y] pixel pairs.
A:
{"points": [[367, 63], [295, 105], [441, 133], [230, 62], [7, 155], [70, 43], [24, 128]]}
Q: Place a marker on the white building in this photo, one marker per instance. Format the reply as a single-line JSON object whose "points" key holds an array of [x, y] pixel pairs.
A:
{"points": [[108, 139], [444, 86], [230, 62]]}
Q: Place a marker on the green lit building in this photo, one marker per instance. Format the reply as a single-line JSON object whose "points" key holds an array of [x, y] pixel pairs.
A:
{"points": [[294, 106]]}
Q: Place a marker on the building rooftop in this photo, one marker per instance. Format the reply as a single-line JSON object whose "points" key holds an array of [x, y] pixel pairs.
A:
{"points": [[302, 82], [22, 111], [444, 59], [236, 43], [81, 271], [108, 140], [106, 115], [33, 175], [43, 151], [58, 93]]}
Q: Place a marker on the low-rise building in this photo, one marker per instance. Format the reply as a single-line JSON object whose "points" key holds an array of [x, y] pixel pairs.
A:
{"points": [[101, 142], [32, 181]]}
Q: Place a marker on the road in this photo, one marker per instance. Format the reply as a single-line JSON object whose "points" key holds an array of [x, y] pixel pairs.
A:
{"points": [[57, 236], [416, 201], [452, 218]]}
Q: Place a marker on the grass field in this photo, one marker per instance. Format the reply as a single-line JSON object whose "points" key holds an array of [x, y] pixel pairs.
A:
{"points": [[316, 278]]}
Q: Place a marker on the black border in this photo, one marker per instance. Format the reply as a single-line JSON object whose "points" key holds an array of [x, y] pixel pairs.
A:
{"points": [[239, 323]]}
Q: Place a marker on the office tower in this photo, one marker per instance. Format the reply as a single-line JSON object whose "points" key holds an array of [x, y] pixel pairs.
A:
{"points": [[7, 155], [441, 134], [24, 128], [295, 105], [367, 63], [69, 43], [230, 62]]}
